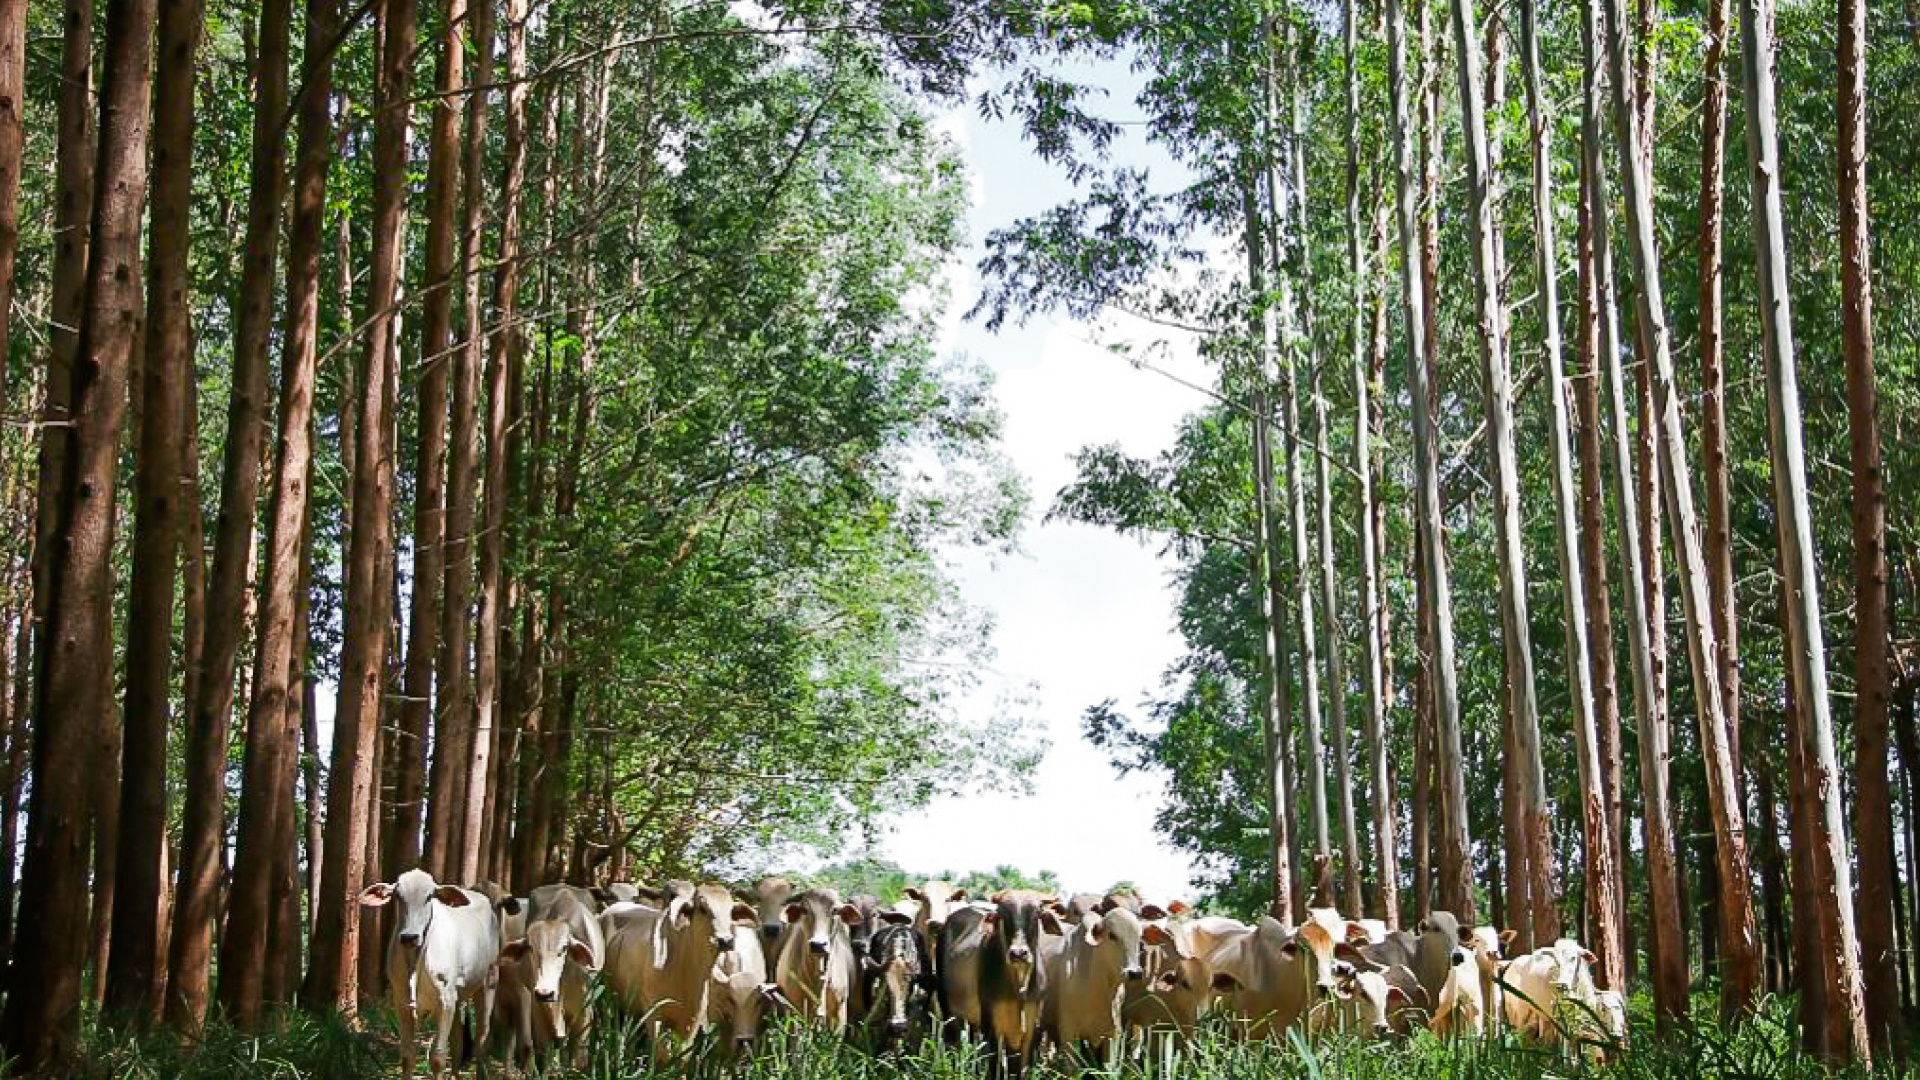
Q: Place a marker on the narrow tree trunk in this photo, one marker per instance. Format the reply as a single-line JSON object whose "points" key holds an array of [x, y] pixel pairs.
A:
{"points": [[13, 96], [330, 979], [75, 678], [266, 793], [1742, 966], [166, 369], [1669, 954], [1605, 894], [1456, 890], [1372, 597], [1873, 809], [1806, 648], [430, 465], [1265, 559], [500, 360]]}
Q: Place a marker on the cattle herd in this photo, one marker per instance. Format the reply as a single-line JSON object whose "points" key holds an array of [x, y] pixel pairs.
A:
{"points": [[1026, 971]]}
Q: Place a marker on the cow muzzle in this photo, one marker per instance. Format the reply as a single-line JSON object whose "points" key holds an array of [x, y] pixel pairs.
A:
{"points": [[411, 941], [1135, 974], [546, 997], [817, 947], [897, 1025], [1019, 954], [723, 944]]}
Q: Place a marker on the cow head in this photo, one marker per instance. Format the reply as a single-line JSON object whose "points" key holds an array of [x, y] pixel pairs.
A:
{"points": [[708, 911], [547, 950], [1325, 942], [1370, 999], [1462, 1006], [895, 960], [417, 893], [1572, 969], [819, 915], [1119, 933], [770, 895], [936, 900], [1015, 923], [743, 1001], [860, 934]]}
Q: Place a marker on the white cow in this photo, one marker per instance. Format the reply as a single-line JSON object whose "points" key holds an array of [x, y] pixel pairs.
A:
{"points": [[660, 964], [815, 964], [1551, 987], [441, 956], [1088, 973], [543, 989]]}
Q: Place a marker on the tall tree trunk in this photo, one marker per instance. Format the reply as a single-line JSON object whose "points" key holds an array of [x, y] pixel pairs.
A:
{"points": [[330, 979], [454, 727], [166, 369], [266, 793], [1605, 894], [1806, 648], [1372, 597], [1742, 967], [501, 358], [430, 466], [1281, 222], [1456, 891], [1593, 560], [1873, 809], [13, 96], [75, 682], [1669, 954], [1274, 676]]}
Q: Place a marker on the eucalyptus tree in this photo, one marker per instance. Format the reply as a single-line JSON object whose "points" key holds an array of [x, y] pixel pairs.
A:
{"points": [[1831, 860]]}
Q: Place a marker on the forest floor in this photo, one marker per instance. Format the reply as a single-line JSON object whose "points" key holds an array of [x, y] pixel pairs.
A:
{"points": [[307, 1049]]}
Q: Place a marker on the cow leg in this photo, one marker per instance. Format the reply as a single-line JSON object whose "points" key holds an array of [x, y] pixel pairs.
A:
{"points": [[443, 1033], [409, 1044]]}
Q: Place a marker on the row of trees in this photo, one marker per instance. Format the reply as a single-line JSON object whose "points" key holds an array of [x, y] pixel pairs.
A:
{"points": [[603, 487], [1533, 235]]}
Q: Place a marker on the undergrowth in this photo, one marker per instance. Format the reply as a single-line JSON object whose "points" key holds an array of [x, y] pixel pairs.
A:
{"points": [[309, 1048]]}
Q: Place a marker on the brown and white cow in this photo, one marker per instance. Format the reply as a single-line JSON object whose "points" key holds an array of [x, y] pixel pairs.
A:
{"points": [[991, 975]]}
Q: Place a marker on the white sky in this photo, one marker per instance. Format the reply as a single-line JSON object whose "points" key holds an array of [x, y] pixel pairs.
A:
{"points": [[1082, 613]]}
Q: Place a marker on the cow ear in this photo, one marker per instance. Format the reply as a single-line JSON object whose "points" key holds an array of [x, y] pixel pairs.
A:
{"points": [[581, 953], [896, 918], [959, 894], [1167, 981], [1466, 936], [744, 913], [1097, 932], [1049, 921], [514, 950], [775, 1000], [992, 918], [850, 914], [1105, 905], [1587, 955], [601, 896], [1155, 934], [1507, 936], [452, 896], [794, 913], [915, 894], [508, 905], [1179, 907], [1152, 911], [1356, 933], [376, 895], [1394, 993], [1224, 983], [1290, 949], [1424, 927]]}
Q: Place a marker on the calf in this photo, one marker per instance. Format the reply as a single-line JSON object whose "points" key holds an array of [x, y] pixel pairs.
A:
{"points": [[440, 957], [815, 964], [1179, 982], [991, 977], [743, 993], [1088, 975], [1393, 957], [897, 972], [1275, 978], [1370, 1000], [576, 909], [660, 965], [543, 989], [1548, 984]]}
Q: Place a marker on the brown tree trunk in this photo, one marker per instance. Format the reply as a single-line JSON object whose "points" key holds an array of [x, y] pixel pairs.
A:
{"points": [[166, 369], [1846, 1015], [1873, 809], [13, 94], [330, 979], [266, 792], [74, 686], [1669, 955], [1742, 968], [1456, 880], [430, 466]]}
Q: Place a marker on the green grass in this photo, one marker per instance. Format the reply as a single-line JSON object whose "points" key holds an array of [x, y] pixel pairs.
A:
{"points": [[1765, 1048]]}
